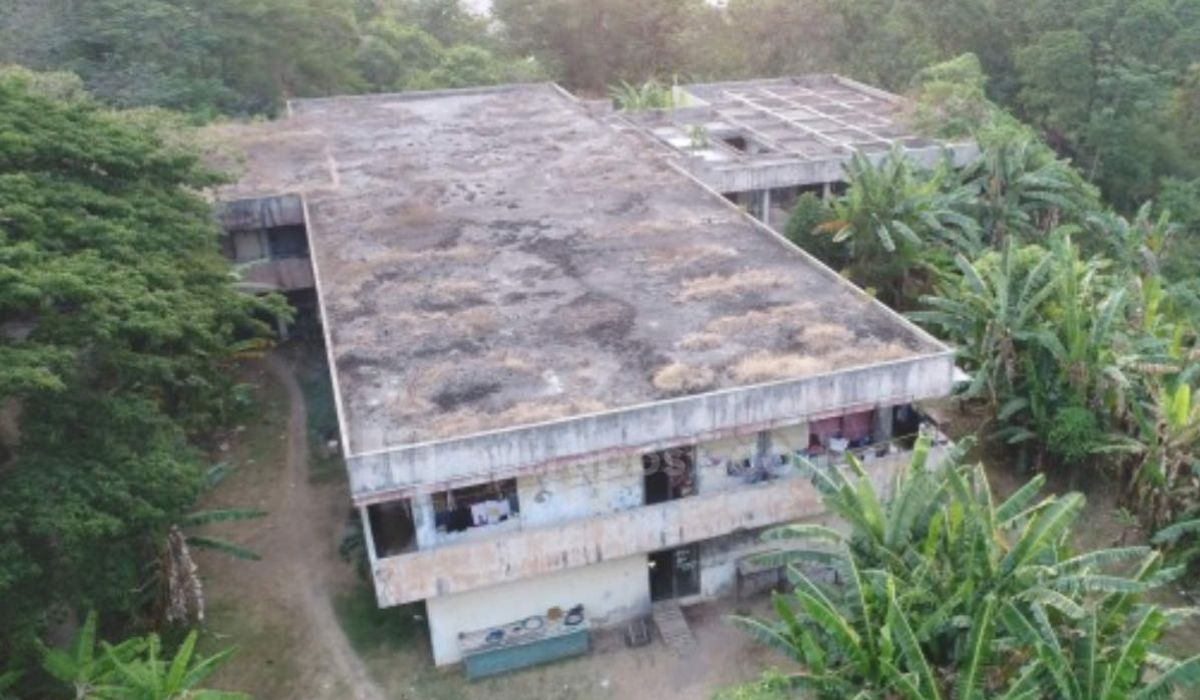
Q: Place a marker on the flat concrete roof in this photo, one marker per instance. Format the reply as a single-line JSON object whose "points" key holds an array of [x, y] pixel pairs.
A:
{"points": [[496, 258], [808, 121]]}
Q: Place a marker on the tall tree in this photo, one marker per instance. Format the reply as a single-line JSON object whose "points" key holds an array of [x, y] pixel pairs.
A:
{"points": [[119, 323]]}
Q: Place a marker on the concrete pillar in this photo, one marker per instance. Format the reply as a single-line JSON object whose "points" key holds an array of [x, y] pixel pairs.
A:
{"points": [[883, 423], [762, 446], [423, 521], [766, 207], [826, 192], [368, 535]]}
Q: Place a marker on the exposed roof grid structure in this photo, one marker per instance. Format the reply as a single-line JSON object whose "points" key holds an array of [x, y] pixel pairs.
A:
{"points": [[815, 120]]}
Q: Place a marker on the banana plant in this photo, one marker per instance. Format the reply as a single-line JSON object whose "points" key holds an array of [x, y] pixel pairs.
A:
{"points": [[81, 666], [893, 216], [1024, 190], [152, 677], [1167, 479], [944, 593], [134, 669]]}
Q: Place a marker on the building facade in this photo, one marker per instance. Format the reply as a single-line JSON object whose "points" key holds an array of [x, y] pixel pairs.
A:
{"points": [[567, 371]]}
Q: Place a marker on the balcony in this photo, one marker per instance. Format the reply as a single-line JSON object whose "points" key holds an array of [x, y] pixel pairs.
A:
{"points": [[523, 552]]}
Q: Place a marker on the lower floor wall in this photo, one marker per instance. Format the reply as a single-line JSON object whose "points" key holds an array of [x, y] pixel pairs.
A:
{"points": [[615, 591], [611, 592]]}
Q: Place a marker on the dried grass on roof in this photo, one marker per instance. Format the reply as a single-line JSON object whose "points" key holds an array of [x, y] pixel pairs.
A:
{"points": [[765, 367], [699, 288], [680, 378]]}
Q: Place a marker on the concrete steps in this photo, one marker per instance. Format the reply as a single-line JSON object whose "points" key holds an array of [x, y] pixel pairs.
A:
{"points": [[673, 627]]}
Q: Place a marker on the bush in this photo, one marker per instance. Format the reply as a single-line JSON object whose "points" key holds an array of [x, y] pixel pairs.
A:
{"points": [[1074, 434]]}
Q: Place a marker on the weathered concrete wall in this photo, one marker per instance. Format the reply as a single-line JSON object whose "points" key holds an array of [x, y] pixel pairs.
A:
{"points": [[267, 212], [719, 557], [487, 456], [610, 591], [713, 457], [615, 590], [286, 275], [789, 173], [537, 551], [582, 491]]}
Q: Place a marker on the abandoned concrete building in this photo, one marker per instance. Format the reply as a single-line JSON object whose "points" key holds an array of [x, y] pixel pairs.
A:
{"points": [[763, 143], [570, 377]]}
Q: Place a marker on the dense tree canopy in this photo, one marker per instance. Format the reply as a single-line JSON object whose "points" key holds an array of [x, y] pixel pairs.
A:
{"points": [[118, 322], [247, 56]]}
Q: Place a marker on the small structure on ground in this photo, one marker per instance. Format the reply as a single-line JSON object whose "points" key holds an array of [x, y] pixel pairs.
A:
{"points": [[566, 372]]}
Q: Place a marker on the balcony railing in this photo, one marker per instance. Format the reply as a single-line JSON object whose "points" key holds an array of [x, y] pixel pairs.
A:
{"points": [[523, 552]]}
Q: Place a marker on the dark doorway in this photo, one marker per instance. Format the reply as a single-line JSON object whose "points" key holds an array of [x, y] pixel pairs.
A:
{"points": [[392, 527], [669, 474], [674, 573]]}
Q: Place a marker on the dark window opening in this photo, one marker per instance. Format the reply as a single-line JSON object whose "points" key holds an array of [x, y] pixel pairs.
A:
{"points": [[392, 529], [476, 506], [674, 573], [669, 474], [737, 143], [287, 242]]}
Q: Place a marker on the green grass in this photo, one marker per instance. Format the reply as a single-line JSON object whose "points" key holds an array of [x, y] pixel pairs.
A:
{"points": [[322, 419], [371, 629]]}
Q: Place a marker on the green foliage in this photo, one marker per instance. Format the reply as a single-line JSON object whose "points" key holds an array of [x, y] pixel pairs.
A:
{"points": [[368, 628], [943, 593], [134, 669], [1074, 435], [248, 56], [950, 100], [803, 229], [592, 44], [648, 95], [892, 216], [120, 327]]}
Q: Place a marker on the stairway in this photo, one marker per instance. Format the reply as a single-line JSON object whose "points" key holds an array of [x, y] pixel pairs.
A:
{"points": [[673, 627]]}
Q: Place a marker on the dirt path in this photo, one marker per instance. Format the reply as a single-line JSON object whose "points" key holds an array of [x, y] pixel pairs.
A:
{"points": [[306, 560], [279, 611]]}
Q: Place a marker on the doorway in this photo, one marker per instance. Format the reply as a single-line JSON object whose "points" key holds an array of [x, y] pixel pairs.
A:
{"points": [[674, 573], [669, 474]]}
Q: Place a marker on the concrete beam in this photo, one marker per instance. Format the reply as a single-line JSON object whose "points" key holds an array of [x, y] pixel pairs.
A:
{"points": [[493, 455], [260, 213], [538, 551], [764, 174]]}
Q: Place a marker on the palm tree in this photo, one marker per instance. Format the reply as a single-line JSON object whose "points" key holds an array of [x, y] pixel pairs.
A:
{"points": [[945, 594], [155, 678], [133, 669], [1164, 481], [891, 214], [79, 666], [1023, 189], [1137, 245], [991, 313]]}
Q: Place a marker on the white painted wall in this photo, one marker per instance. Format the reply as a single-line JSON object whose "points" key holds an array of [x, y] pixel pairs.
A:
{"points": [[611, 592]]}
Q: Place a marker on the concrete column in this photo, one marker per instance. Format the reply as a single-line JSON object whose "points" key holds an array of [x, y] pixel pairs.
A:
{"points": [[762, 446], [883, 423], [368, 535], [423, 521], [766, 207], [826, 192]]}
